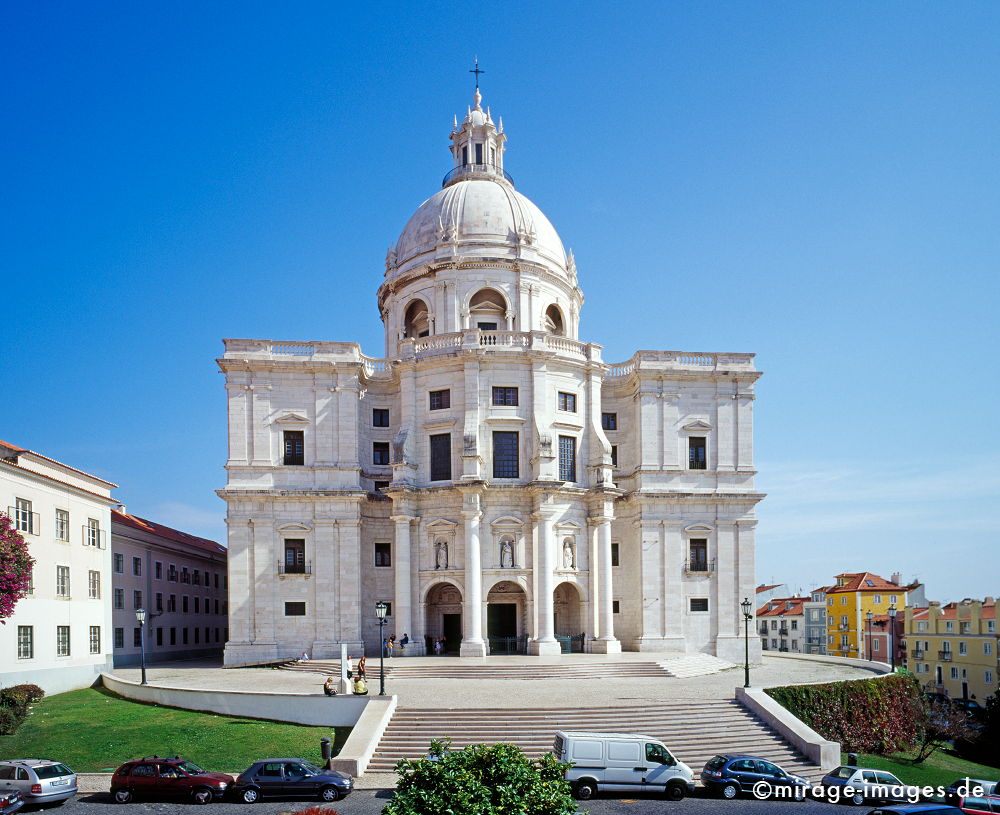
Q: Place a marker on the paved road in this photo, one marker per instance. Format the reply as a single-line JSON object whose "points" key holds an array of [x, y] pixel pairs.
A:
{"points": [[370, 802]]}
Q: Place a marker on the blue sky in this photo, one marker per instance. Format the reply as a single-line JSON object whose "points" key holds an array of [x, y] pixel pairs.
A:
{"points": [[816, 183]]}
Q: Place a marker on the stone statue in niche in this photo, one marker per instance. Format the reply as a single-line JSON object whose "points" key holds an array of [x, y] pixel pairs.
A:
{"points": [[569, 558], [441, 555], [506, 554]]}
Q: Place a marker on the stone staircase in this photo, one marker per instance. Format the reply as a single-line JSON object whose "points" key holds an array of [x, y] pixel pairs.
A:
{"points": [[693, 730], [693, 665], [452, 669]]}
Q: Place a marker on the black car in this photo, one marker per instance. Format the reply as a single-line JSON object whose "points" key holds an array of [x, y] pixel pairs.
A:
{"points": [[962, 787], [729, 775], [290, 778]]}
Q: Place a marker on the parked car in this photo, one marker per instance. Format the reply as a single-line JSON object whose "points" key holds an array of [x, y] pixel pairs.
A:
{"points": [[916, 809], [156, 777], [962, 787], [623, 762], [39, 780], [730, 774], [976, 804], [10, 802], [970, 706], [877, 786], [290, 778]]}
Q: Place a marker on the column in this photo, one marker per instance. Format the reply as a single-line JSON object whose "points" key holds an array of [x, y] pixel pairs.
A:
{"points": [[473, 644], [402, 598], [545, 641], [606, 642], [325, 581], [349, 585]]}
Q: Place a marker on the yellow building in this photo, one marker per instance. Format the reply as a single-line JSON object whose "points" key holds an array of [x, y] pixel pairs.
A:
{"points": [[953, 649], [847, 607]]}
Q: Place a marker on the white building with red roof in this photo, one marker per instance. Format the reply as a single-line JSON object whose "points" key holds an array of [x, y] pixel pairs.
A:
{"points": [[59, 636], [781, 624]]}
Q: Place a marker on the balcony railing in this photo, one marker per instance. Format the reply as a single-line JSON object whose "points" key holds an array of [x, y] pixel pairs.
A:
{"points": [[844, 627], [763, 630], [474, 171], [783, 631], [92, 536], [699, 566], [917, 653], [25, 520], [944, 656], [295, 568]]}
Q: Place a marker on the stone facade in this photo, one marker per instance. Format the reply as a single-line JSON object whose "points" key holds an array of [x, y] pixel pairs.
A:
{"points": [[492, 479]]}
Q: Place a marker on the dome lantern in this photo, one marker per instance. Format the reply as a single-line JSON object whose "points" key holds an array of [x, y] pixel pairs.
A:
{"points": [[477, 146]]}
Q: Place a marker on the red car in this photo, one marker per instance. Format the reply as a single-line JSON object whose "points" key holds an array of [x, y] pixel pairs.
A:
{"points": [[157, 777], [980, 804]]}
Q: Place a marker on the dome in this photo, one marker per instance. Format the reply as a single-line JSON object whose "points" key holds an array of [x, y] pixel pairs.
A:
{"points": [[480, 218]]}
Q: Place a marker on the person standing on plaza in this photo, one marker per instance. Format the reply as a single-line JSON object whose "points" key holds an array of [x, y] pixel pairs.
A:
{"points": [[347, 664], [389, 646], [437, 646], [362, 664]]}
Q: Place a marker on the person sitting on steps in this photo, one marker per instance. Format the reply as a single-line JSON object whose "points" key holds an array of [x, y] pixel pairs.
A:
{"points": [[329, 687]]}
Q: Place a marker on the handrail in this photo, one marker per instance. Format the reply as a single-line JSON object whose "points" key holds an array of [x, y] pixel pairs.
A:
{"points": [[474, 170]]}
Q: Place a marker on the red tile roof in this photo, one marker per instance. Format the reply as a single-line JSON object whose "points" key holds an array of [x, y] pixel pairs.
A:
{"points": [[167, 532], [7, 463], [762, 588], [20, 450], [865, 581], [782, 609]]}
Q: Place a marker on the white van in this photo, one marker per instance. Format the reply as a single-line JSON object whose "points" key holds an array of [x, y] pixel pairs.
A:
{"points": [[621, 761]]}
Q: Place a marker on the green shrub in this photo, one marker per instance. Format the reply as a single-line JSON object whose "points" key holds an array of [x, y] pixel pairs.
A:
{"points": [[496, 779], [20, 695], [10, 720], [880, 715]]}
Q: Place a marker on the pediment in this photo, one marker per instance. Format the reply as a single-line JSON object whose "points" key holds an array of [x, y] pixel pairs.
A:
{"points": [[294, 528], [507, 520], [695, 529], [442, 524], [697, 425], [292, 417], [568, 525]]}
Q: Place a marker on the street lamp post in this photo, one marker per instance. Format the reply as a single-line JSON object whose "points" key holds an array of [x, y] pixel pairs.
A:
{"points": [[747, 617], [140, 616], [892, 637], [868, 645], [380, 610]]}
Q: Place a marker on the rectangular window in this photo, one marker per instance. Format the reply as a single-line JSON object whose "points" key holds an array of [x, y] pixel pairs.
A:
{"points": [[486, 326], [185, 575], [119, 598], [921, 626], [696, 453], [615, 607], [295, 609], [25, 642], [118, 563], [380, 417], [159, 636], [439, 400], [380, 452], [614, 554], [137, 637], [505, 454], [159, 601], [699, 555], [62, 640], [95, 639], [567, 458], [988, 677], [609, 421], [614, 455], [294, 447], [137, 566], [383, 554], [380, 486], [216, 580], [184, 604], [62, 525], [136, 598], [504, 396], [184, 636], [479, 153], [987, 649], [954, 672], [172, 603], [441, 457], [892, 599], [119, 637], [963, 649], [197, 631], [171, 573], [567, 402], [196, 578], [24, 518], [795, 625], [62, 581], [158, 570], [949, 626], [92, 533], [94, 585], [173, 636], [878, 599], [875, 645], [699, 604], [295, 556]]}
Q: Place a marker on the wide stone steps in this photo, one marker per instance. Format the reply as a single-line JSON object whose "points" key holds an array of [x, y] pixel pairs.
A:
{"points": [[450, 670], [694, 731]]}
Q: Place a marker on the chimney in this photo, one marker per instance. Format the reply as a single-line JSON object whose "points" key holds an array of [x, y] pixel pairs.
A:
{"points": [[121, 509], [988, 601], [896, 578]]}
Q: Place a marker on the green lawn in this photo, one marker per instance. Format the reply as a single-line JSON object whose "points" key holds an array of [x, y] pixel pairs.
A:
{"points": [[939, 770], [93, 730]]}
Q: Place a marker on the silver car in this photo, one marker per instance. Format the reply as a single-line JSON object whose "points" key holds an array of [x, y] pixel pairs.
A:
{"points": [[856, 785], [39, 780]]}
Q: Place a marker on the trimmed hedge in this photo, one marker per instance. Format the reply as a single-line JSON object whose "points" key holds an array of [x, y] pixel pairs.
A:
{"points": [[883, 715], [15, 702]]}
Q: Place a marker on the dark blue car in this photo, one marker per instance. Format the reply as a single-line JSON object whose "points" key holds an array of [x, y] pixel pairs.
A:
{"points": [[730, 775], [290, 778]]}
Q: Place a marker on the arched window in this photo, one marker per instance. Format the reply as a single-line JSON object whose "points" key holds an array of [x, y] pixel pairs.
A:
{"points": [[488, 310], [554, 321], [416, 320]]}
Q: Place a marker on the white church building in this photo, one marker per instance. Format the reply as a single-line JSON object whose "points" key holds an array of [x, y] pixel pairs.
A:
{"points": [[491, 479]]}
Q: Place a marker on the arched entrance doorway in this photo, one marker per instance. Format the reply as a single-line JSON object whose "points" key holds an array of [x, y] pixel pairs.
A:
{"points": [[507, 618], [443, 617], [567, 606]]}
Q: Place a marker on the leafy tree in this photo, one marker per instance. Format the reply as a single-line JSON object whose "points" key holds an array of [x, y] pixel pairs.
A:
{"points": [[496, 779], [15, 567], [942, 722]]}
